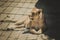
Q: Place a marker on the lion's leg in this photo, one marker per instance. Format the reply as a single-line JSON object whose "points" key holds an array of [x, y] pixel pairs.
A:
{"points": [[40, 31], [33, 31], [41, 28]]}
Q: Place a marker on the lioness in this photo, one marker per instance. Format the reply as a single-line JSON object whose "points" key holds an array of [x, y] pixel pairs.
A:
{"points": [[36, 21]]}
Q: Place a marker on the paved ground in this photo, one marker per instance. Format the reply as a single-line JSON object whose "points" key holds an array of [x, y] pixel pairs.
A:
{"points": [[15, 10]]}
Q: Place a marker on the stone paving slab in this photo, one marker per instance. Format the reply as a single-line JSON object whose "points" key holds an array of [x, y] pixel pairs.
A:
{"points": [[3, 16], [14, 34], [17, 1], [15, 10], [11, 39], [22, 37], [19, 5], [13, 4], [6, 4], [8, 10], [26, 5], [4, 35], [10, 17], [0, 33], [1, 3], [3, 25], [32, 37], [22, 1], [11, 0], [3, 0], [28, 1], [1, 9]]}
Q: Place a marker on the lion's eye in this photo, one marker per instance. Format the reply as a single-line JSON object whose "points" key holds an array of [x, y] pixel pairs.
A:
{"points": [[33, 13], [38, 12], [32, 18]]}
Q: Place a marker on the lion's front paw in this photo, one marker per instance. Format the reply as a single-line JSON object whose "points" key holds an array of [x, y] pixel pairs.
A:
{"points": [[33, 31], [40, 31]]}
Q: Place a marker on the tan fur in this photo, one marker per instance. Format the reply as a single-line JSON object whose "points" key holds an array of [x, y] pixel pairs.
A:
{"points": [[37, 19], [24, 21]]}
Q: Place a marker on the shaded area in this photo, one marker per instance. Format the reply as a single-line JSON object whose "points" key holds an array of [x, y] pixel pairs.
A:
{"points": [[51, 9]]}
